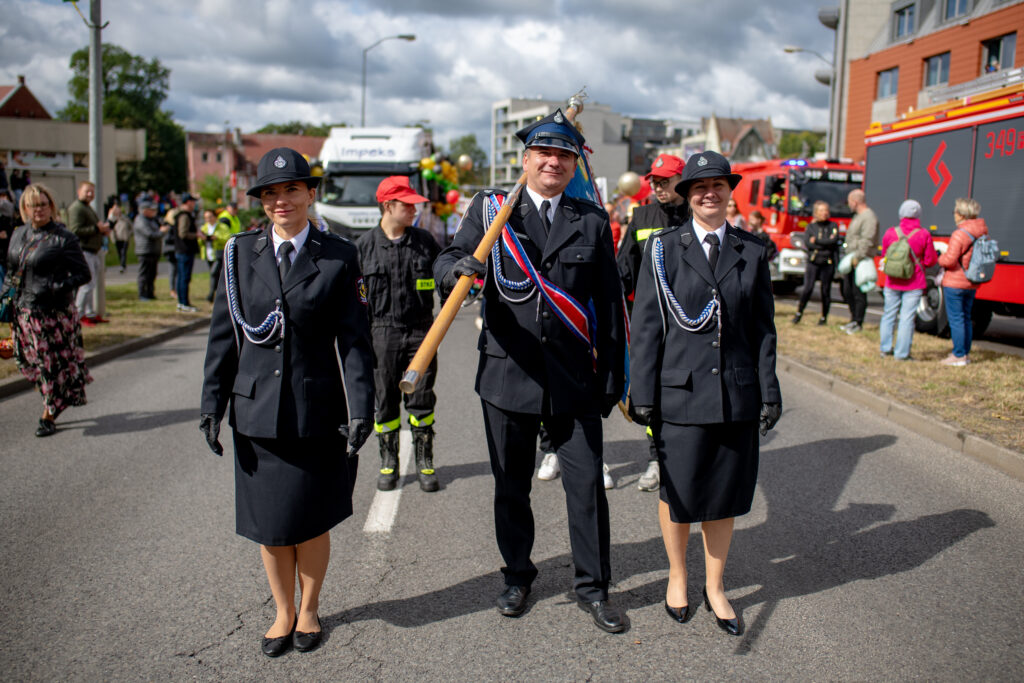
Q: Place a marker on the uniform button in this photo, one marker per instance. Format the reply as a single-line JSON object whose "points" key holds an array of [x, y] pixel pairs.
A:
{"points": [[579, 257], [277, 373], [278, 348], [714, 292], [545, 315], [714, 371], [714, 344], [277, 302], [543, 340], [548, 265]]}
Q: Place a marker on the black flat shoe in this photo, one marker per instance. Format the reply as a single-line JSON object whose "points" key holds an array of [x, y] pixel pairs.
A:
{"points": [[304, 642], [46, 428], [730, 626], [680, 614], [275, 647], [606, 617], [512, 601]]}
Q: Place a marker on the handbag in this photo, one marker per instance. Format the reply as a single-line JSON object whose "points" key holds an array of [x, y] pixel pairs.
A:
{"points": [[7, 308]]}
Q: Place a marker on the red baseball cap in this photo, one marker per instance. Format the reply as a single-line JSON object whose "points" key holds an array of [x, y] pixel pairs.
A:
{"points": [[397, 187], [666, 166]]}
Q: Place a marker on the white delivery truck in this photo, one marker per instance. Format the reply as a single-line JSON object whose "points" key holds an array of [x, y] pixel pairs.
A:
{"points": [[355, 160]]}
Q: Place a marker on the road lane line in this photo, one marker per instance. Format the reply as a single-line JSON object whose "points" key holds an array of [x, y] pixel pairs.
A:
{"points": [[384, 508]]}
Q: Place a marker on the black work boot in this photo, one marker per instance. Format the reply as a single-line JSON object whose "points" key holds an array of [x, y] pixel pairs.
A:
{"points": [[423, 443], [388, 477]]}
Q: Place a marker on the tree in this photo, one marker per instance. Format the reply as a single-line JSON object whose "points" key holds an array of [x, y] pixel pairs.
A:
{"points": [[801, 144], [133, 90], [467, 145], [211, 190], [300, 128]]}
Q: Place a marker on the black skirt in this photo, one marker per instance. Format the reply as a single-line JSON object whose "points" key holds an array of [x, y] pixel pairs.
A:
{"points": [[288, 491], [708, 471]]}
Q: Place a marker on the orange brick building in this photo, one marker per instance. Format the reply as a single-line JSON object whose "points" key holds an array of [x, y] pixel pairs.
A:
{"points": [[938, 50]]}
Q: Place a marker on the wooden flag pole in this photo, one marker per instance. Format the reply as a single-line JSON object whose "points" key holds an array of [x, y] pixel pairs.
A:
{"points": [[451, 307]]}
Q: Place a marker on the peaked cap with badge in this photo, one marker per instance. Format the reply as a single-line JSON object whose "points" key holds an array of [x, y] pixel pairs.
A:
{"points": [[281, 165], [554, 130], [706, 165]]}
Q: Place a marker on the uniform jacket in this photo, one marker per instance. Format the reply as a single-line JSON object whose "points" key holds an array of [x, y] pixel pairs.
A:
{"points": [[84, 224], [526, 352], [646, 221], [825, 249], [399, 277], [53, 271], [697, 377], [958, 254], [292, 387]]}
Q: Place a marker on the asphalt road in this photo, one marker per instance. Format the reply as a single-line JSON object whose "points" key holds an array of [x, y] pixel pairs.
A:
{"points": [[871, 554]]}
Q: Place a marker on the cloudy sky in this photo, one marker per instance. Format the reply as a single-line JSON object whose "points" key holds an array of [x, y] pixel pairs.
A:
{"points": [[253, 62]]}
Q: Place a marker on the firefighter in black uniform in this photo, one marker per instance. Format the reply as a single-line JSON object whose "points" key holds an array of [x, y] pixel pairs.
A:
{"points": [[669, 209], [396, 259]]}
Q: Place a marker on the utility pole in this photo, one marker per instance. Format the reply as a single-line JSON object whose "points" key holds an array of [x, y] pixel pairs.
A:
{"points": [[96, 104]]}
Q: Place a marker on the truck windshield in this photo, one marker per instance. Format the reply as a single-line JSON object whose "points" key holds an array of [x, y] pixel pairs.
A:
{"points": [[351, 190], [810, 185]]}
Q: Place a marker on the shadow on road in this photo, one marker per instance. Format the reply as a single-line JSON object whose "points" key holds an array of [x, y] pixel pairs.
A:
{"points": [[126, 423], [805, 546]]}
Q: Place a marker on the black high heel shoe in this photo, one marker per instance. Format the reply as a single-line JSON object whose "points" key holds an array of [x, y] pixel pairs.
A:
{"points": [[275, 647], [730, 626], [680, 614]]}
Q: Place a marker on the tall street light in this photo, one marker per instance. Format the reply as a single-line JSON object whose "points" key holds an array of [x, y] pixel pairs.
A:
{"points": [[404, 36], [825, 77]]}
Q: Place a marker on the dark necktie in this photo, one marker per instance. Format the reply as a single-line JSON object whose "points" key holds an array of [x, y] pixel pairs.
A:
{"points": [[712, 239], [285, 252], [545, 206]]}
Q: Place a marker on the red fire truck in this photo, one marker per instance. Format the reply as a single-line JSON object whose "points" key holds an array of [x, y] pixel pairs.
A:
{"points": [[970, 147], [784, 191]]}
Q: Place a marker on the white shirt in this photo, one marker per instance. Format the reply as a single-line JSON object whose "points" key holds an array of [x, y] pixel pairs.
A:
{"points": [[296, 241], [701, 233], [538, 200]]}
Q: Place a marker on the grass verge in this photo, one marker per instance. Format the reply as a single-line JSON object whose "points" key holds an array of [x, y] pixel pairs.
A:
{"points": [[131, 318], [985, 398]]}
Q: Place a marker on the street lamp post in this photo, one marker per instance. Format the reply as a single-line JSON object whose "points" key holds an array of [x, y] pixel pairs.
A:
{"points": [[404, 36], [825, 78]]}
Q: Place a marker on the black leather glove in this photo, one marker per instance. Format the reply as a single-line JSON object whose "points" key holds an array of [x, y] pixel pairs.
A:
{"points": [[770, 414], [642, 415], [209, 425], [468, 265], [359, 429]]}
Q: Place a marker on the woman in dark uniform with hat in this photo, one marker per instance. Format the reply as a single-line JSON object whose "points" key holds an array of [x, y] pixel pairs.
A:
{"points": [[702, 366], [292, 305]]}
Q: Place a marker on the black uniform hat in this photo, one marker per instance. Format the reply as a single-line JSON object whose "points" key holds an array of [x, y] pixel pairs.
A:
{"points": [[706, 165], [281, 165], [554, 130]]}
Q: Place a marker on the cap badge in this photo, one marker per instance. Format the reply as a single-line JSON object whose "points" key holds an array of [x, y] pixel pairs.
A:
{"points": [[558, 117], [279, 162], [660, 162], [702, 161]]}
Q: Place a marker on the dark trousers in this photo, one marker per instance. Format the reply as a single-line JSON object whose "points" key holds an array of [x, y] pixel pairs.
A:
{"points": [[512, 443], [184, 276], [394, 348], [147, 275], [122, 252], [855, 299], [216, 270], [814, 272]]}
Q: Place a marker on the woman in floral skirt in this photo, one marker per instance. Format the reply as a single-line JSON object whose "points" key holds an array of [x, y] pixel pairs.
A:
{"points": [[46, 266]]}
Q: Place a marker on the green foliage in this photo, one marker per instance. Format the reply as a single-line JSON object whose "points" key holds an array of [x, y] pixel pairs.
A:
{"points": [[467, 144], [211, 190], [803, 144], [300, 128], [246, 216], [133, 91]]}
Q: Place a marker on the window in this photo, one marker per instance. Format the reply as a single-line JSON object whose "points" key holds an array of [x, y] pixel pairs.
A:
{"points": [[220, 158], [998, 53], [888, 81], [936, 70], [955, 8], [206, 156], [903, 22], [755, 192]]}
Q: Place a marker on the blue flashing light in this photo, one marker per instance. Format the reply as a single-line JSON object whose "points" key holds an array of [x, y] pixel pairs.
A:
{"points": [[794, 162]]}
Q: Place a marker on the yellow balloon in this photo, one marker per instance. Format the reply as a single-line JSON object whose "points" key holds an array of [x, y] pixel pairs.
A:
{"points": [[465, 162], [426, 162]]}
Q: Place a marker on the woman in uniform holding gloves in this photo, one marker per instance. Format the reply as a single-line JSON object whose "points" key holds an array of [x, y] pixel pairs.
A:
{"points": [[702, 368], [292, 305]]}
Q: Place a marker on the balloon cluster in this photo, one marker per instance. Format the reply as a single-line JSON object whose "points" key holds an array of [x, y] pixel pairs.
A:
{"points": [[446, 175]]}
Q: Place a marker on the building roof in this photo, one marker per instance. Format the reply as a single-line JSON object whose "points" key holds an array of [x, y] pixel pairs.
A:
{"points": [[734, 130], [255, 145], [17, 101]]}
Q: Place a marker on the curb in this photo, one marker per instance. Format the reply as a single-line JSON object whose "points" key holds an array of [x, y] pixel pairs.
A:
{"points": [[1005, 460], [17, 383]]}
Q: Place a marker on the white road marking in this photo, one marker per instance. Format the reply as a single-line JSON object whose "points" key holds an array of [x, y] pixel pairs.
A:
{"points": [[384, 508]]}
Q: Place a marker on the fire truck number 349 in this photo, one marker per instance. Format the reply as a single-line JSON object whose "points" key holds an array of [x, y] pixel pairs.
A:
{"points": [[1005, 143]]}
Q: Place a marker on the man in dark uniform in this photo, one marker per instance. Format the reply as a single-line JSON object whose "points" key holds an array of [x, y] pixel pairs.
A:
{"points": [[534, 367], [396, 259], [669, 209]]}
